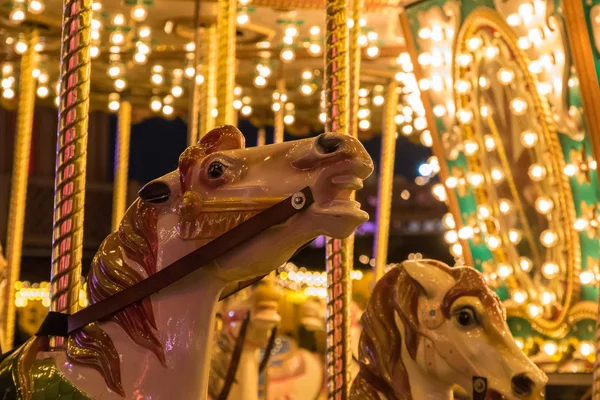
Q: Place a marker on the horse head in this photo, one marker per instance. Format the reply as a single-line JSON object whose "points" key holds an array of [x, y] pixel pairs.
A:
{"points": [[220, 183], [428, 327]]}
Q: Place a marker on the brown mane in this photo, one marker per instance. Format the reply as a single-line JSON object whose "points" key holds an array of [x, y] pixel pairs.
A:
{"points": [[136, 240], [380, 343]]}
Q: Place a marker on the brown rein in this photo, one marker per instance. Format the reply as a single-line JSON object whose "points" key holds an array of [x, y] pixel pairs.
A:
{"points": [[58, 324]]}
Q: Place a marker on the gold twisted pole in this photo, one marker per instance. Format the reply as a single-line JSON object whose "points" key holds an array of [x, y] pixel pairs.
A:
{"points": [[226, 24], [3, 291], [354, 67], [261, 136], [278, 125], [18, 191], [208, 92], [71, 152], [386, 181], [121, 164], [194, 109], [338, 252]]}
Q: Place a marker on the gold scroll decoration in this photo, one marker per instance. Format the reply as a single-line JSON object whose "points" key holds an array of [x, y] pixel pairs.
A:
{"points": [[121, 164], [386, 181], [69, 187], [226, 24], [338, 252], [18, 192]]}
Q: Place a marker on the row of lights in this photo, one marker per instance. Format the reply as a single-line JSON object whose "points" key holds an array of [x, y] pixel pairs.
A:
{"points": [[20, 7], [26, 292]]}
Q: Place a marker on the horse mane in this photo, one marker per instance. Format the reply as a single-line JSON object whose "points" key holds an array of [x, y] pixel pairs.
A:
{"points": [[380, 346], [129, 255]]}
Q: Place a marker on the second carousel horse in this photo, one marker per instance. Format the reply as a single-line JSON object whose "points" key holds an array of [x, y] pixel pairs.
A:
{"points": [[427, 327], [158, 348]]}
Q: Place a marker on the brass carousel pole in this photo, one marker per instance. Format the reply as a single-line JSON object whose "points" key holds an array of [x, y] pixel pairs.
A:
{"points": [[208, 92], [121, 164], [226, 24], [71, 153], [278, 125], [194, 86], [261, 137], [18, 192], [3, 290], [338, 256], [354, 67], [386, 181]]}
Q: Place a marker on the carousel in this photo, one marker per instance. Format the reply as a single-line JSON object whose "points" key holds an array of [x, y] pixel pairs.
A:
{"points": [[219, 192]]}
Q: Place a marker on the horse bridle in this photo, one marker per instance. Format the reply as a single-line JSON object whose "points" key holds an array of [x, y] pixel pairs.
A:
{"points": [[59, 324]]}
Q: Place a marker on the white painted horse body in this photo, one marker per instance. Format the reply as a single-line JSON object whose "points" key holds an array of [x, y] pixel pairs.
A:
{"points": [[428, 327], [170, 359]]}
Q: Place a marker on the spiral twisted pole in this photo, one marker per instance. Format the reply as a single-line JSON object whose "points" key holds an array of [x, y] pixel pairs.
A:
{"points": [[208, 92], [71, 152], [354, 66], [121, 164], [194, 87], [339, 253], [18, 191], [226, 23], [386, 181], [278, 125]]}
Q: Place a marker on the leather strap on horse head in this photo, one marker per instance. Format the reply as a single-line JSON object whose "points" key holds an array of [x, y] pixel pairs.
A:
{"points": [[58, 324], [235, 360]]}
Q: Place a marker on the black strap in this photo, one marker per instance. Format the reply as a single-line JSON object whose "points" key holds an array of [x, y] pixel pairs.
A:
{"points": [[235, 360], [57, 324], [265, 360]]}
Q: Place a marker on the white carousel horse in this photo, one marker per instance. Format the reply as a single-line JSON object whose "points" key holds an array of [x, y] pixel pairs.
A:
{"points": [[427, 327], [159, 348], [263, 306]]}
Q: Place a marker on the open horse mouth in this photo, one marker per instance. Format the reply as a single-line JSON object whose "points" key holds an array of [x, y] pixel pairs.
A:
{"points": [[333, 196], [492, 394]]}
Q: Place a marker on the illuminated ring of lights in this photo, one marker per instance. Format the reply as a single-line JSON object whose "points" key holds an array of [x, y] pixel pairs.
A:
{"points": [[487, 20]]}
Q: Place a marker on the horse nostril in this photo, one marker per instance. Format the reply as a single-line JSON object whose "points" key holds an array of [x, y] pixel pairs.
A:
{"points": [[522, 385], [328, 144]]}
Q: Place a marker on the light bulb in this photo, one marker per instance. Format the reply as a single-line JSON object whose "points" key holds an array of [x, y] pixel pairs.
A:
{"points": [[426, 138], [96, 6], [157, 79], [114, 71], [7, 69], [514, 236], [471, 147], [307, 90], [17, 15], [96, 25], [570, 170], [288, 119], [536, 172], [139, 13], [119, 20], [525, 264], [114, 105], [464, 59], [439, 110], [580, 224], [167, 109], [550, 270], [464, 116], [372, 51], [314, 49], [199, 79], [276, 106], [420, 123], [36, 6], [484, 82], [155, 104], [323, 117], [21, 47], [456, 250], [315, 30], [362, 40], [451, 236], [142, 48], [462, 86], [42, 92], [242, 18], [451, 182], [523, 43], [246, 110], [94, 51], [120, 84], [483, 211], [260, 81], [544, 205], [475, 179], [140, 58], [291, 31], [177, 91], [549, 238], [439, 191], [490, 143], [493, 241], [474, 43], [505, 206], [513, 20], [364, 124], [586, 348], [529, 138], [287, 55], [237, 104], [378, 100], [497, 174], [448, 221], [534, 310], [504, 270], [363, 113], [466, 232], [519, 296], [265, 71], [8, 93], [587, 277], [518, 106], [144, 32], [7, 82], [505, 76]]}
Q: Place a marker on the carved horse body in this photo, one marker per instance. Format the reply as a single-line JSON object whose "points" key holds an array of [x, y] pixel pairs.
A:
{"points": [[158, 348], [427, 327]]}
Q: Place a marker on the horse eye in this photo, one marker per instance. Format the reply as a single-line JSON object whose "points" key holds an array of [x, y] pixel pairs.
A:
{"points": [[216, 169], [466, 317]]}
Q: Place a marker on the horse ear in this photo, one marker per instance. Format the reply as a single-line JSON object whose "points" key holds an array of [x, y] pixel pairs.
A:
{"points": [[225, 137], [155, 192], [430, 276]]}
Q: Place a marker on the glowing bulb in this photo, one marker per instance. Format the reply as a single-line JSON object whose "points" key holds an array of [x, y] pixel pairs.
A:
{"points": [[323, 117], [315, 49], [466, 232], [42, 92], [120, 84], [139, 13], [483, 211], [451, 236], [464, 116], [276, 106], [439, 110], [523, 43], [475, 179], [155, 104], [587, 277], [439, 191], [505, 206], [456, 250], [448, 221], [420, 123], [484, 82], [287, 55], [471, 147], [96, 6], [378, 100], [114, 105], [534, 310], [167, 109], [260, 81], [288, 119], [291, 31], [246, 110], [119, 20], [513, 20], [464, 59], [490, 52], [570, 170], [519, 296], [497, 174], [544, 205], [114, 71], [493, 241], [307, 90], [363, 40], [518, 106], [426, 138], [504, 270], [451, 182], [144, 32], [586, 348], [525, 264], [94, 51], [363, 113], [549, 238], [21, 47], [514, 236], [36, 6], [529, 139], [580, 224], [242, 18], [315, 30], [157, 79], [177, 91], [474, 43], [526, 12], [364, 124], [462, 86], [17, 15], [489, 142], [199, 79], [505, 76], [372, 51], [536, 172]]}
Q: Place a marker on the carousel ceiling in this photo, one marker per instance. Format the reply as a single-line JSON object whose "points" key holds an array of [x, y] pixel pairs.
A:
{"points": [[145, 49]]}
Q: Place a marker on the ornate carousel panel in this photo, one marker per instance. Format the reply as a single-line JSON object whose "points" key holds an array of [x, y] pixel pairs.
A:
{"points": [[503, 104]]}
